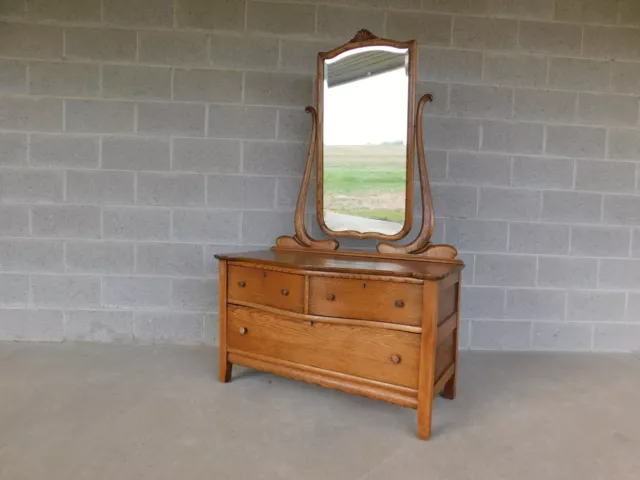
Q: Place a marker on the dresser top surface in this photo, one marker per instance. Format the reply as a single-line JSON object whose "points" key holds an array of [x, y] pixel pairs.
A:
{"points": [[327, 262]]}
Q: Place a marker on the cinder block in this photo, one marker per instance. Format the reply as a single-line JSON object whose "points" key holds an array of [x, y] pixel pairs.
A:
{"points": [[566, 272], [515, 70], [550, 38], [581, 142], [451, 133], [587, 306], [138, 292], [180, 328], [100, 44], [505, 270], [208, 156], [287, 190], [545, 106], [274, 88], [73, 79], [31, 185], [543, 9], [206, 226], [68, 11], [469, 263], [14, 220], [485, 33], [633, 307], [293, 124], [447, 65], [95, 116], [624, 144], [237, 121], [455, 201], [302, 55], [99, 257], [426, 28], [211, 329], [65, 291], [169, 259], [173, 48], [172, 189], [539, 238], [211, 263], [31, 325], [195, 294], [63, 151], [223, 86], [616, 338], [635, 243], [619, 274], [440, 94], [479, 169], [31, 255], [505, 137], [629, 13], [13, 76], [618, 43], [99, 326], [571, 207], [100, 188], [262, 228], [342, 23], [30, 41], [532, 304], [13, 149], [625, 77], [621, 210], [66, 221], [241, 192], [579, 74], [148, 13], [585, 11], [437, 166], [40, 114], [509, 204], [500, 335], [210, 14], [607, 110], [14, 290], [12, 9], [136, 224], [547, 173], [247, 51], [482, 102], [457, 6], [171, 119], [615, 177], [133, 82], [476, 235], [482, 302], [274, 158], [136, 153], [281, 18], [562, 336]]}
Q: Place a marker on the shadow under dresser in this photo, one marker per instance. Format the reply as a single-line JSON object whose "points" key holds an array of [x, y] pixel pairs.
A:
{"points": [[386, 328]]}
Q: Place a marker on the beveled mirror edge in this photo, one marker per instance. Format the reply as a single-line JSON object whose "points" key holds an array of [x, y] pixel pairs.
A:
{"points": [[365, 38]]}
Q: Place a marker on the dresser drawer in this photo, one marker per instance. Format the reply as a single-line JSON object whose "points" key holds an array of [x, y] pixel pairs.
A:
{"points": [[266, 287], [388, 356], [391, 302]]}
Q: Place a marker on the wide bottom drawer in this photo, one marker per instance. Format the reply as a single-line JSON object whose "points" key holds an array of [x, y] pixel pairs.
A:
{"points": [[378, 354]]}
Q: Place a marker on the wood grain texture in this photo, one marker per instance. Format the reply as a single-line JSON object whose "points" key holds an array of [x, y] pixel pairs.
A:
{"points": [[426, 374], [366, 299], [450, 388], [447, 302], [444, 379], [358, 351], [444, 356], [275, 289], [224, 366]]}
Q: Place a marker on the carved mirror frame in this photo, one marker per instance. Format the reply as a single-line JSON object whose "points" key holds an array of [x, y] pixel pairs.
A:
{"points": [[418, 249]]}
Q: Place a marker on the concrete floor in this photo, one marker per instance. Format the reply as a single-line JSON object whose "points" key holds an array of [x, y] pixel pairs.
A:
{"points": [[112, 412]]}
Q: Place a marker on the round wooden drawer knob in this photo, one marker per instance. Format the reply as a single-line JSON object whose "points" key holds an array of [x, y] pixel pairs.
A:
{"points": [[396, 359], [243, 331], [241, 283], [331, 297], [400, 303], [284, 292]]}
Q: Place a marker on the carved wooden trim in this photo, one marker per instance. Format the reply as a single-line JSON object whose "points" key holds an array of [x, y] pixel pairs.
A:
{"points": [[363, 35]]}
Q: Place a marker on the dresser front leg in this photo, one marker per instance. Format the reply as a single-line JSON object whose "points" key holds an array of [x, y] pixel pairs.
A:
{"points": [[428, 343]]}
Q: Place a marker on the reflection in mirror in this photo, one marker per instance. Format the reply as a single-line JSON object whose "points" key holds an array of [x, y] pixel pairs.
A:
{"points": [[365, 107]]}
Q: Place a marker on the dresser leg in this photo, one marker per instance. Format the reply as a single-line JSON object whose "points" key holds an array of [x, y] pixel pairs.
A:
{"points": [[425, 409], [225, 371], [449, 391]]}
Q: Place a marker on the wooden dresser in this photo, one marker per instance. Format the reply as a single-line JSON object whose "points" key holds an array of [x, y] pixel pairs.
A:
{"points": [[386, 329]]}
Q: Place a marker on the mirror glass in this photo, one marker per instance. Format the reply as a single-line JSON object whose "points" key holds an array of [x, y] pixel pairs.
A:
{"points": [[365, 103]]}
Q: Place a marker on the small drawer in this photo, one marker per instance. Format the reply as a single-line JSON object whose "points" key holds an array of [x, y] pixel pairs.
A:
{"points": [[392, 302], [266, 287], [388, 356]]}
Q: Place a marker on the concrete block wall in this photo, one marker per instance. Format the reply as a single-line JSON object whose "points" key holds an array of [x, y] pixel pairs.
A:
{"points": [[139, 137]]}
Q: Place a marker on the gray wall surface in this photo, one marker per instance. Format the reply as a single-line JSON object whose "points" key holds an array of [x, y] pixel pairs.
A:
{"points": [[138, 137]]}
